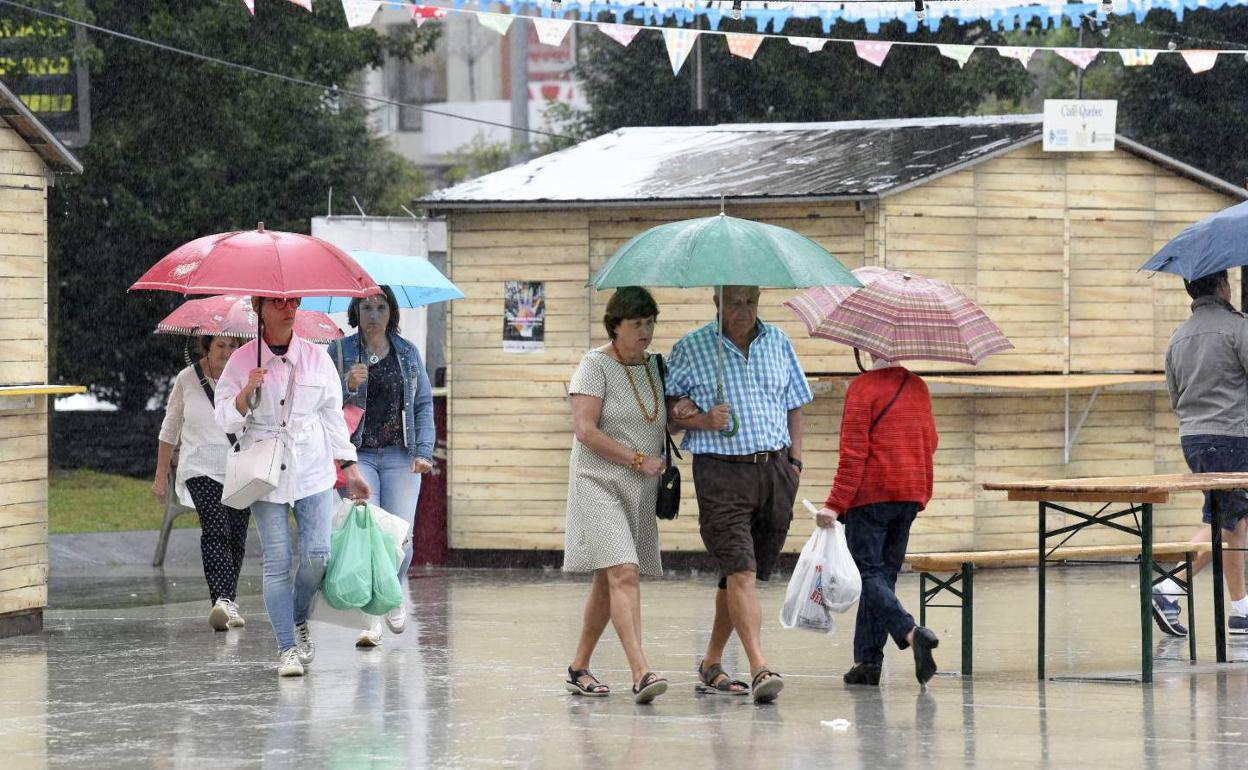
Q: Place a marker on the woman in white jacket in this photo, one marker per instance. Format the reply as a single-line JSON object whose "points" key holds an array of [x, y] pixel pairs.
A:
{"points": [[314, 434], [189, 422]]}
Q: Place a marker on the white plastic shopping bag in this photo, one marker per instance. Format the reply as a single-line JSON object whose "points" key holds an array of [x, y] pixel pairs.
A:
{"points": [[803, 601], [842, 585]]}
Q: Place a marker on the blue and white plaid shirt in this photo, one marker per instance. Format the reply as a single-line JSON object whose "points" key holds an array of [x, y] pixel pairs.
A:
{"points": [[761, 389]]}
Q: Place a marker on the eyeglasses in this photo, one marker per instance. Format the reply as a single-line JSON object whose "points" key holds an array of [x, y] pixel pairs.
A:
{"points": [[282, 303]]}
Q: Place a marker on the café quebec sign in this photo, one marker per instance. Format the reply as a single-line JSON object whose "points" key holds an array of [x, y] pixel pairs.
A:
{"points": [[1080, 125]]}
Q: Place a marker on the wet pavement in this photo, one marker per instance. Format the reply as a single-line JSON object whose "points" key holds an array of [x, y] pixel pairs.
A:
{"points": [[128, 674]]}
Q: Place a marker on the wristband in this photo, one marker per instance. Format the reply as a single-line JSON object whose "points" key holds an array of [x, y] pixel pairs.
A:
{"points": [[344, 464]]}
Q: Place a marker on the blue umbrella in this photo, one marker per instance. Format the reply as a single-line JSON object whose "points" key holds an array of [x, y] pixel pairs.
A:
{"points": [[415, 281], [1218, 242]]}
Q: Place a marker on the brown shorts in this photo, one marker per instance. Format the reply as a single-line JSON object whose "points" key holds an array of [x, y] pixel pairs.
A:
{"points": [[744, 510]]}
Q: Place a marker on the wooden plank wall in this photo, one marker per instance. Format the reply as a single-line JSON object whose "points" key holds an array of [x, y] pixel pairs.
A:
{"points": [[23, 360], [1048, 245], [1057, 242]]}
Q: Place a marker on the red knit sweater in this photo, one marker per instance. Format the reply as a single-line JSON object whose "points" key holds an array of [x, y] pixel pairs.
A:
{"points": [[893, 463]]}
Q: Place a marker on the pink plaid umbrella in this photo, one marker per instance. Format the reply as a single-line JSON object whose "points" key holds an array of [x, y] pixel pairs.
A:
{"points": [[230, 315], [901, 316]]}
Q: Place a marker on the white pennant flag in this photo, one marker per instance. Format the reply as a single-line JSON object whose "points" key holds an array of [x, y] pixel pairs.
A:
{"points": [[1080, 57], [551, 31], [872, 51], [360, 12], [1200, 61], [744, 46], [959, 53], [1022, 53], [304, 4], [679, 44], [620, 33], [1138, 57], [812, 44], [496, 21], [251, 6]]}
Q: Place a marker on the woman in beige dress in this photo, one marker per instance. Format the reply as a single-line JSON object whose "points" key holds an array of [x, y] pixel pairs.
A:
{"points": [[620, 420]]}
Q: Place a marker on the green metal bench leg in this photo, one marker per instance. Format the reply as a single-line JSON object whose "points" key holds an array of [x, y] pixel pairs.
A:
{"points": [[923, 599], [968, 617], [1191, 607]]}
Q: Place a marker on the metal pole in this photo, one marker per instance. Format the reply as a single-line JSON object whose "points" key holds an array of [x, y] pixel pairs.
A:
{"points": [[1146, 590], [519, 51], [1040, 582]]}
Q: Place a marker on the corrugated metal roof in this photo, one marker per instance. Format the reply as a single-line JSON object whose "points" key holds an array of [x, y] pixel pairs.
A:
{"points": [[858, 159], [775, 162], [37, 135]]}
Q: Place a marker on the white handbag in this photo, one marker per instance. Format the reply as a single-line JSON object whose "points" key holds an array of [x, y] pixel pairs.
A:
{"points": [[254, 472]]}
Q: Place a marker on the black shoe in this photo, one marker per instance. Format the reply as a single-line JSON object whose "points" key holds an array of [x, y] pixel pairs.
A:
{"points": [[924, 664], [863, 673]]}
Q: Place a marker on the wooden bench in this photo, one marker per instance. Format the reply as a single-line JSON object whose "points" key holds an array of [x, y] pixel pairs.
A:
{"points": [[954, 573]]}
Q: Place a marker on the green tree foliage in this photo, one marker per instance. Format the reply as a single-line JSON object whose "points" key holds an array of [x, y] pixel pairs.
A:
{"points": [[182, 148], [634, 86]]}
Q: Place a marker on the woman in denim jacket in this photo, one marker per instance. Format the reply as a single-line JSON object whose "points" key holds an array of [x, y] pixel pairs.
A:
{"points": [[384, 375]]}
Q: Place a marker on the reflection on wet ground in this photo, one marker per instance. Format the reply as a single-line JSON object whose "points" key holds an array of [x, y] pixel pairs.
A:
{"points": [[127, 674]]}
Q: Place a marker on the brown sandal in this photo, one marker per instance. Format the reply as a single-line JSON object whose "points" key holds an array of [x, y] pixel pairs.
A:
{"points": [[726, 686], [767, 685]]}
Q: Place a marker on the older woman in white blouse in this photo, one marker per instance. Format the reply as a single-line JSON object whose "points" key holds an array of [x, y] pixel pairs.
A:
{"points": [[189, 422], [315, 437]]}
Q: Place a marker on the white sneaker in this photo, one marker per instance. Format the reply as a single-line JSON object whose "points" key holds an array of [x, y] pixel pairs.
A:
{"points": [[288, 664], [219, 615], [303, 644], [235, 620], [371, 636], [396, 619]]}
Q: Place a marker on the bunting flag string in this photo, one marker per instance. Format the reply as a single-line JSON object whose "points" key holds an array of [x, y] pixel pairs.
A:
{"points": [[251, 6], [679, 41], [360, 13], [679, 44], [551, 31], [959, 53], [873, 51], [623, 33]]}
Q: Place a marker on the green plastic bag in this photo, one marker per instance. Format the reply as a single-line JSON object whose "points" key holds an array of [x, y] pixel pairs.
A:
{"points": [[348, 581], [387, 593]]}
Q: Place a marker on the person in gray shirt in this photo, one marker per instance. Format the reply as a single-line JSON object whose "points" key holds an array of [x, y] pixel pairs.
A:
{"points": [[1207, 377]]}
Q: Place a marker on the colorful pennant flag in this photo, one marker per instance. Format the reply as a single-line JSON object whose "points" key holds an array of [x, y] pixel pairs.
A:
{"points": [[551, 31], [304, 4], [872, 51], [1200, 61], [744, 46], [959, 53], [360, 12], [251, 6], [679, 43], [1022, 53], [1080, 57], [620, 33], [812, 44], [498, 22], [1138, 57]]}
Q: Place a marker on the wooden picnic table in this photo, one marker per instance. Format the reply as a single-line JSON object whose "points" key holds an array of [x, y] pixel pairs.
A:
{"points": [[1138, 494]]}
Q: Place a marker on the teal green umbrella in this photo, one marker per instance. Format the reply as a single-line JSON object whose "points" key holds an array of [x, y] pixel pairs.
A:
{"points": [[722, 251]]}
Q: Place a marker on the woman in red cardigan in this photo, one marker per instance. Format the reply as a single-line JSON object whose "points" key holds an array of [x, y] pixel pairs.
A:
{"points": [[884, 478]]}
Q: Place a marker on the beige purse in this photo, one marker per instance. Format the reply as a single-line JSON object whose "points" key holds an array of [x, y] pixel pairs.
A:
{"points": [[254, 472]]}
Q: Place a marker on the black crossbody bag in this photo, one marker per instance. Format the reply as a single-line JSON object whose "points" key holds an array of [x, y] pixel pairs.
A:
{"points": [[667, 506], [884, 411]]}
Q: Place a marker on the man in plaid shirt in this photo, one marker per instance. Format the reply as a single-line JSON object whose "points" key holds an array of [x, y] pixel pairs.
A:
{"points": [[747, 481]]}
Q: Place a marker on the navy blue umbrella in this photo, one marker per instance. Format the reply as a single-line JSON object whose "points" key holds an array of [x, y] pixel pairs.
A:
{"points": [[1218, 242]]}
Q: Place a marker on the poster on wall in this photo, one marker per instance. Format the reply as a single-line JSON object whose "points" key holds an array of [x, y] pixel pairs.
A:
{"points": [[524, 316]]}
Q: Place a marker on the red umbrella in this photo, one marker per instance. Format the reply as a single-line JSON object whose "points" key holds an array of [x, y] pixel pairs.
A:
{"points": [[230, 315], [264, 263]]}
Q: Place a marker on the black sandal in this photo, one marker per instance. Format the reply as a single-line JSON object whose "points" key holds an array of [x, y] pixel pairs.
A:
{"points": [[594, 689], [650, 687], [726, 686], [766, 686]]}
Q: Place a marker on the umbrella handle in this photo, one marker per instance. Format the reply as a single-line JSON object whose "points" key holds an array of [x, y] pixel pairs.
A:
{"points": [[731, 431]]}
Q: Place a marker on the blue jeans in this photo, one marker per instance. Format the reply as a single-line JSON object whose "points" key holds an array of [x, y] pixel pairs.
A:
{"points": [[395, 489], [1219, 454], [877, 536], [314, 518]]}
